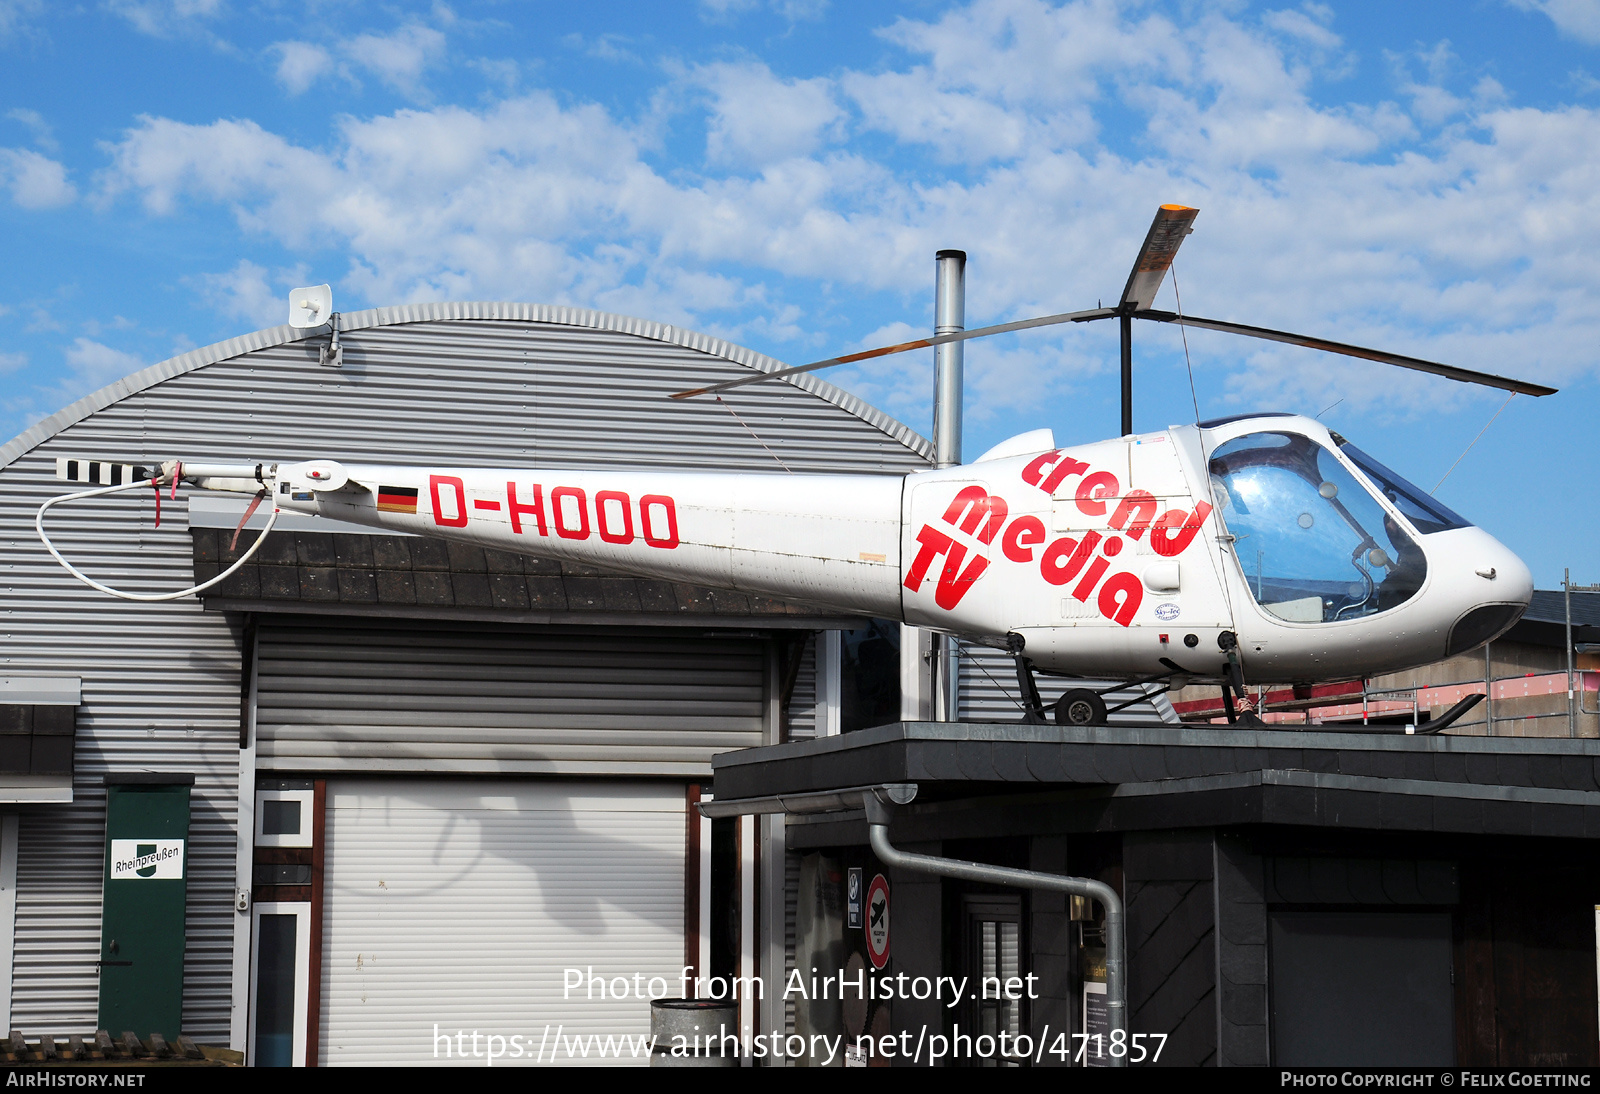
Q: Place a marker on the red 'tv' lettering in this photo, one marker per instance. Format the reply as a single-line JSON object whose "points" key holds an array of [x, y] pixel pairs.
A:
{"points": [[953, 580]]}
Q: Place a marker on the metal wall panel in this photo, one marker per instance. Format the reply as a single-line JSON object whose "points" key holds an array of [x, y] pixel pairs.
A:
{"points": [[989, 691], [470, 384], [461, 904], [502, 700], [800, 721]]}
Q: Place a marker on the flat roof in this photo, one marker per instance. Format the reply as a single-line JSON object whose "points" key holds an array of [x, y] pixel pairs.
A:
{"points": [[1109, 778]]}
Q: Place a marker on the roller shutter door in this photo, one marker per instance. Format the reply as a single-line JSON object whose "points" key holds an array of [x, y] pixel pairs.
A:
{"points": [[503, 700], [461, 903]]}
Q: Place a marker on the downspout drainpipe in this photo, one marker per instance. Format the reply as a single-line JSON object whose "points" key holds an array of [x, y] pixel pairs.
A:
{"points": [[879, 813], [879, 802]]}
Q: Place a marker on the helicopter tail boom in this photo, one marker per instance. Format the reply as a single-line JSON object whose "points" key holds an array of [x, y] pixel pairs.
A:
{"points": [[827, 540]]}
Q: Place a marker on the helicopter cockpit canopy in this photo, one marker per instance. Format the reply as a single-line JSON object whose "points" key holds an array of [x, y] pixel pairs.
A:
{"points": [[1313, 542]]}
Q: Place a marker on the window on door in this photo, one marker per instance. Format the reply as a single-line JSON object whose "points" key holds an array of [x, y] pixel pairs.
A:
{"points": [[281, 951], [993, 959]]}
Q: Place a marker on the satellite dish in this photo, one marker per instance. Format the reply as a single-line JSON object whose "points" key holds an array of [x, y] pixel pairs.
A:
{"points": [[311, 306]]}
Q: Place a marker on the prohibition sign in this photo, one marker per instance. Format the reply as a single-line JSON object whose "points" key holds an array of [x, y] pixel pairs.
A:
{"points": [[878, 921]]}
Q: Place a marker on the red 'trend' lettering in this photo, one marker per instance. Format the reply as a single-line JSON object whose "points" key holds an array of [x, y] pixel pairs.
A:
{"points": [[1066, 467], [1093, 489], [1141, 506], [1172, 533]]}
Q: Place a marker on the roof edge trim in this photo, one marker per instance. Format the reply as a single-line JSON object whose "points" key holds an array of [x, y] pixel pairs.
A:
{"points": [[398, 315]]}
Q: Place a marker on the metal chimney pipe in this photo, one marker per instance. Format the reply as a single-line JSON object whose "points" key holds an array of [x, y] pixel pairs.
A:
{"points": [[949, 316]]}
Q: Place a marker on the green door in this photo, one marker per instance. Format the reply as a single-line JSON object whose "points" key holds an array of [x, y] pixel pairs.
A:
{"points": [[142, 917]]}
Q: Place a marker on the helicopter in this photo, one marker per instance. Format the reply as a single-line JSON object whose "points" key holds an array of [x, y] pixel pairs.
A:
{"points": [[1259, 548]]}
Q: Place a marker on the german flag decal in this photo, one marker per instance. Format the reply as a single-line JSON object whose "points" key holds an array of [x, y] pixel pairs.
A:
{"points": [[397, 499]]}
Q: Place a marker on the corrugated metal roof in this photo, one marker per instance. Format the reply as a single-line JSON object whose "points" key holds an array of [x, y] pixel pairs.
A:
{"points": [[467, 384], [423, 313]]}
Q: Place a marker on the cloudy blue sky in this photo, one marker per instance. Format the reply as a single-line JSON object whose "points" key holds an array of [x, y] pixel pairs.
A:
{"points": [[1422, 176]]}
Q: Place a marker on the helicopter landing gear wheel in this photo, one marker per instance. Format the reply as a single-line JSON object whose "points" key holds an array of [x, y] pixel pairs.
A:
{"points": [[1080, 707]]}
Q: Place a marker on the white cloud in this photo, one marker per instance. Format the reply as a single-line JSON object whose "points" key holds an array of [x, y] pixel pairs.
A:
{"points": [[726, 11], [15, 14], [35, 181], [164, 18], [400, 57], [1333, 219], [604, 47], [10, 362], [301, 64], [96, 364], [1578, 19], [961, 127], [1308, 23], [43, 134], [758, 118], [250, 293], [90, 365]]}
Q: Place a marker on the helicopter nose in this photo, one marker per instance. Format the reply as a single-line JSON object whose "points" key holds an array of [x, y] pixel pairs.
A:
{"points": [[1506, 577], [1499, 587]]}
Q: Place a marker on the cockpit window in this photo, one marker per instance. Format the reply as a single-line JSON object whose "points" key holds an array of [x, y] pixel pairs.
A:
{"points": [[1425, 514], [1314, 545]]}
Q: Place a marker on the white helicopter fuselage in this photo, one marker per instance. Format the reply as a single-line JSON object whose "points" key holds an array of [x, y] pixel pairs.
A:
{"points": [[1119, 558]]}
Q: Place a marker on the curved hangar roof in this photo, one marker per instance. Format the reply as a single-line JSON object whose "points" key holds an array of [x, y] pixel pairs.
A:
{"points": [[466, 384], [422, 382]]}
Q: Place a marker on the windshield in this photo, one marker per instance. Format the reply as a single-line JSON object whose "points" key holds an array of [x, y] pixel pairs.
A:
{"points": [[1425, 514], [1314, 545]]}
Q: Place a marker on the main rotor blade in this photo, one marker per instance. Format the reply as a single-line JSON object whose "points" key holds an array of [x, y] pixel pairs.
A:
{"points": [[1465, 375], [1161, 245], [921, 343]]}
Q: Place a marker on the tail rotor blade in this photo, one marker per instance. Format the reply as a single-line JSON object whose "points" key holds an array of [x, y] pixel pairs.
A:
{"points": [[901, 347], [1465, 375]]}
